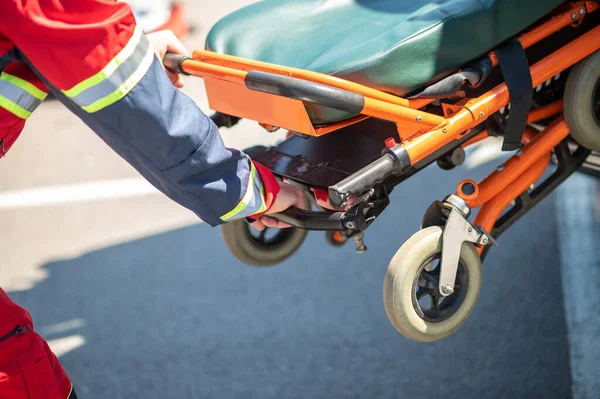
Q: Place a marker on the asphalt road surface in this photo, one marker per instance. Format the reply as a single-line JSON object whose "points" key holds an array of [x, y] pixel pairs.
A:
{"points": [[140, 300], [175, 315]]}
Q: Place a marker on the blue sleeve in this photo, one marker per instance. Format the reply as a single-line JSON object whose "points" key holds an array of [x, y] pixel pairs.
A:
{"points": [[165, 136]]}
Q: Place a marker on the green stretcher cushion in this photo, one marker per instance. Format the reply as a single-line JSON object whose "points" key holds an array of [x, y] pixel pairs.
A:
{"points": [[396, 46]]}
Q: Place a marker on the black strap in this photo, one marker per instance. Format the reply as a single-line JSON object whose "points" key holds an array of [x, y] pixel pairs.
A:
{"points": [[515, 68], [10, 56], [5, 60]]}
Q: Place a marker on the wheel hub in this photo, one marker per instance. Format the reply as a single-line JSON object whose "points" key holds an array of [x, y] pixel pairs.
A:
{"points": [[429, 303], [270, 236]]}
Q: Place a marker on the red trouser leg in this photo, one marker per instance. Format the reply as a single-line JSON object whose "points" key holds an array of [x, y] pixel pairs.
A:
{"points": [[28, 368]]}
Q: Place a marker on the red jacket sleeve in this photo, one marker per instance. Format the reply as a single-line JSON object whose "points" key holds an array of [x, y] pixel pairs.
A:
{"points": [[67, 40], [98, 63]]}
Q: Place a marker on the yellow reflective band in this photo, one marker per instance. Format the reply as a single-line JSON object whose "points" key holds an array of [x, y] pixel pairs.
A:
{"points": [[248, 196], [13, 108], [110, 68], [127, 85], [25, 85], [263, 205]]}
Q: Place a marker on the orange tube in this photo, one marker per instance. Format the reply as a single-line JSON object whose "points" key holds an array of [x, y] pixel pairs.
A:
{"points": [[476, 139], [546, 29], [491, 210], [390, 112], [546, 111], [213, 71], [372, 107], [240, 63], [540, 145], [528, 135], [477, 110]]}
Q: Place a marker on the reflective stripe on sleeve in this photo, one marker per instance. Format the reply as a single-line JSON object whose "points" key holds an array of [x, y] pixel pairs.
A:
{"points": [[252, 202], [117, 78], [18, 96]]}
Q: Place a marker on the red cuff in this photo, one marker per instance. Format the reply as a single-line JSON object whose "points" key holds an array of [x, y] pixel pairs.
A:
{"points": [[270, 186]]}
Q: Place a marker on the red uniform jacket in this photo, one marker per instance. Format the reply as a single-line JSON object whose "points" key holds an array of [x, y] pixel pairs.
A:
{"points": [[99, 64]]}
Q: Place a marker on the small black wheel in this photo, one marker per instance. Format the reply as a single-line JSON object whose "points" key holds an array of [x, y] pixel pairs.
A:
{"points": [[411, 296], [261, 248], [335, 238], [582, 102]]}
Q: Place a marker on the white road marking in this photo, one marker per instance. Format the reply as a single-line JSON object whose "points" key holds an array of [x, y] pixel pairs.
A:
{"points": [[62, 327], [64, 194], [484, 152], [579, 239], [62, 346]]}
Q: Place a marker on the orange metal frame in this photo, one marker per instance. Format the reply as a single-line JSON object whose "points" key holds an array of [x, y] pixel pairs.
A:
{"points": [[422, 133], [225, 75]]}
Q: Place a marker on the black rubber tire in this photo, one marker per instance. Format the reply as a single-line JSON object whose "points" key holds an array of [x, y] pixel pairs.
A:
{"points": [[400, 277], [242, 244], [583, 82], [248, 250]]}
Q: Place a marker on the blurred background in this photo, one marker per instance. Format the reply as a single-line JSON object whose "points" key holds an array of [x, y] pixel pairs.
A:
{"points": [[139, 299]]}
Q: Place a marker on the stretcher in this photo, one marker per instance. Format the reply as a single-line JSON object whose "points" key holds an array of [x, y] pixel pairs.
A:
{"points": [[373, 91]]}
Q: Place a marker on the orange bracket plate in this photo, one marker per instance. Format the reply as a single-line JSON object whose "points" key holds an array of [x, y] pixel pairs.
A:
{"points": [[242, 102]]}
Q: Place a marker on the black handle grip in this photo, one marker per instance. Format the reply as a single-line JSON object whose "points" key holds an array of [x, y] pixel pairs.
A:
{"points": [[310, 220], [174, 62], [304, 90], [224, 120], [394, 161]]}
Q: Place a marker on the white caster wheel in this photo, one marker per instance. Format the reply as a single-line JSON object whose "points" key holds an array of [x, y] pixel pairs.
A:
{"points": [[582, 102], [411, 296]]}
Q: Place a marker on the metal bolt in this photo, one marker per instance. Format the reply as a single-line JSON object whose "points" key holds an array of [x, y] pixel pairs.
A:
{"points": [[446, 289], [484, 241], [481, 114], [419, 119], [470, 229], [573, 16], [350, 225], [360, 244], [444, 129], [581, 11]]}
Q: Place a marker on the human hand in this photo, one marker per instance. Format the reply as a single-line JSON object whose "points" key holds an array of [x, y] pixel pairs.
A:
{"points": [[288, 196], [164, 42]]}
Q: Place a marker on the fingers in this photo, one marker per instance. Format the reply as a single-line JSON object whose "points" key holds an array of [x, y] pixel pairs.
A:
{"points": [[166, 42], [258, 225], [174, 45], [273, 223], [175, 79], [263, 222], [300, 203]]}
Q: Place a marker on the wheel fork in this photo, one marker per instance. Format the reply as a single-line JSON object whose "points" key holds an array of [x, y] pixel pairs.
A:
{"points": [[457, 230]]}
